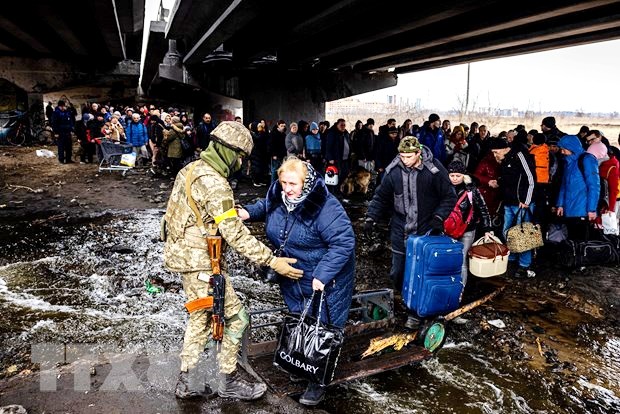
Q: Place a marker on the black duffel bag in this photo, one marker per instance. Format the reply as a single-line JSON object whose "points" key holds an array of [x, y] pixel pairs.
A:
{"points": [[578, 253], [308, 348]]}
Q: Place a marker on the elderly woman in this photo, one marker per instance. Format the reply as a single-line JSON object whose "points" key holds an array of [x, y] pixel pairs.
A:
{"points": [[304, 221]]}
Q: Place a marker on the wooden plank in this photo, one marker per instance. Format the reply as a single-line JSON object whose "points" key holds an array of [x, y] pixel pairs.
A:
{"points": [[350, 367], [386, 362]]}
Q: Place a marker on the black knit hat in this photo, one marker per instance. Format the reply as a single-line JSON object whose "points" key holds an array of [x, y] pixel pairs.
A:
{"points": [[457, 167], [549, 122], [498, 143]]}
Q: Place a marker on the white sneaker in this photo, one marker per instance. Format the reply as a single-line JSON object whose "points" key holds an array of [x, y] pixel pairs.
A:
{"points": [[460, 321], [412, 323], [531, 273]]}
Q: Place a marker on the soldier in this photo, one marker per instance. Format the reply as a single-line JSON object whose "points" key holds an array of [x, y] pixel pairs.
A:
{"points": [[186, 252]]}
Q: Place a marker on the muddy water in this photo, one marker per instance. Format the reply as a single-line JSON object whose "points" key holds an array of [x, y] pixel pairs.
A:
{"points": [[83, 282]]}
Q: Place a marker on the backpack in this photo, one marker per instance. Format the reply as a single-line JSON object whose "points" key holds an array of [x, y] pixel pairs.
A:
{"points": [[603, 197], [454, 226]]}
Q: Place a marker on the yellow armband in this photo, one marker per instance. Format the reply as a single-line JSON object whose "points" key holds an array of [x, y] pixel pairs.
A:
{"points": [[225, 215]]}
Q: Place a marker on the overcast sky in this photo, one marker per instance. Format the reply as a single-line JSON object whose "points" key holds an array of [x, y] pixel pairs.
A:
{"points": [[583, 78]]}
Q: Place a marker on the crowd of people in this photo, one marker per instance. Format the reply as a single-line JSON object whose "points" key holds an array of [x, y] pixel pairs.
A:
{"points": [[423, 173]]}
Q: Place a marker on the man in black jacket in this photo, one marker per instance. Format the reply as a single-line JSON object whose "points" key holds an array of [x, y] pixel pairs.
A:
{"points": [[417, 195], [277, 147], [516, 182], [63, 124], [203, 132]]}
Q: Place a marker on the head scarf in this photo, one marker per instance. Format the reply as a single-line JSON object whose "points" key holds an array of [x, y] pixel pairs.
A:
{"points": [[309, 181]]}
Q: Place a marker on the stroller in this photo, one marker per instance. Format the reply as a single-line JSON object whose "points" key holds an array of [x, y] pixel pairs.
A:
{"points": [[112, 155]]}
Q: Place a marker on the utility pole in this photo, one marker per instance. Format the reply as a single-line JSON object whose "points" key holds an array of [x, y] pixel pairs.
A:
{"points": [[467, 92]]}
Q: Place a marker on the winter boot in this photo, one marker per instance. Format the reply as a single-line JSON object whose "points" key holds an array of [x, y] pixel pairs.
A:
{"points": [[186, 389], [314, 394], [233, 386]]}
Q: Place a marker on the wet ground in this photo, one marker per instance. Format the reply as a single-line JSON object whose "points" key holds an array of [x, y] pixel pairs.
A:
{"points": [[77, 279]]}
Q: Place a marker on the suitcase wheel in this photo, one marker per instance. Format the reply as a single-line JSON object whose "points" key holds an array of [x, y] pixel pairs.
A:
{"points": [[432, 335]]}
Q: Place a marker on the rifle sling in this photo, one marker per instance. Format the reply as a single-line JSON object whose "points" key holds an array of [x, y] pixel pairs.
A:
{"points": [[192, 204]]}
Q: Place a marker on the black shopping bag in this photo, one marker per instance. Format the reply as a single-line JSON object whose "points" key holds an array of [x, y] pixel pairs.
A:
{"points": [[308, 348]]}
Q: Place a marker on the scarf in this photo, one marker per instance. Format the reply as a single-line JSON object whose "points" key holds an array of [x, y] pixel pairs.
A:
{"points": [[224, 160], [309, 182]]}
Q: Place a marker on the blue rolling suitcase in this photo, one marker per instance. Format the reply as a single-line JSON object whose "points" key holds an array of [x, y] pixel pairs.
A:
{"points": [[432, 284]]}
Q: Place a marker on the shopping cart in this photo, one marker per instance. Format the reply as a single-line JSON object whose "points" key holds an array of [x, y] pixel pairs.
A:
{"points": [[112, 152]]}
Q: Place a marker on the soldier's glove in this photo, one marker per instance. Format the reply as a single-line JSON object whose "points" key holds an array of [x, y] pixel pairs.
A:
{"points": [[282, 266], [369, 226], [437, 225]]}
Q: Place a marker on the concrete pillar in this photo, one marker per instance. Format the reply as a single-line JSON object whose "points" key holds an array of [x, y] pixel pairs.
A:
{"points": [[283, 97], [172, 56], [36, 110], [292, 96]]}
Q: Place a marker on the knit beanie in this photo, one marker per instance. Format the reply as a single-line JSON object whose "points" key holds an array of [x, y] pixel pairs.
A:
{"points": [[457, 167], [549, 122]]}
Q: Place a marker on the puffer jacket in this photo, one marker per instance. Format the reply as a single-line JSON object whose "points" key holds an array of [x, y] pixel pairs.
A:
{"points": [[321, 238], [579, 191], [434, 139], [481, 212], [136, 134]]}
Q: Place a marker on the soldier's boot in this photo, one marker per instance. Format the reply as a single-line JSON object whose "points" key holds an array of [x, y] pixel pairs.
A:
{"points": [[185, 390], [233, 386]]}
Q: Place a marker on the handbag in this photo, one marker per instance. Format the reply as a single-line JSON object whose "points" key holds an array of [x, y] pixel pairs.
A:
{"points": [[455, 226], [308, 348], [488, 257], [523, 236]]}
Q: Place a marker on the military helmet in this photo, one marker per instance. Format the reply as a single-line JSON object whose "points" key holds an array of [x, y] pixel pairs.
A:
{"points": [[233, 135]]}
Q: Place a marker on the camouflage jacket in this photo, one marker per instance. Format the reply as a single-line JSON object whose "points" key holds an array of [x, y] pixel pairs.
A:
{"points": [[186, 248]]}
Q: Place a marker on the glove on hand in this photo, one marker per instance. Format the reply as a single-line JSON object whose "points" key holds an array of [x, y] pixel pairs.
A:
{"points": [[437, 225], [282, 266], [369, 226]]}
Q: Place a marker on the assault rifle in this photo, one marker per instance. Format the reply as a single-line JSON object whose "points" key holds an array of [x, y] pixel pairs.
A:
{"points": [[218, 283]]}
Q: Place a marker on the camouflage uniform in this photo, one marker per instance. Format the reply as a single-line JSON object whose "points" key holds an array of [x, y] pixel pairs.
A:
{"points": [[186, 252]]}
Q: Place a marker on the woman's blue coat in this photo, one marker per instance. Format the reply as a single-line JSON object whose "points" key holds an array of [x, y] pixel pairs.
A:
{"points": [[321, 238]]}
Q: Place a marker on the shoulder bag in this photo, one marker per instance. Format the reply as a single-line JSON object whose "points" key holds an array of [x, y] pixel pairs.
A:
{"points": [[308, 348], [523, 236]]}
